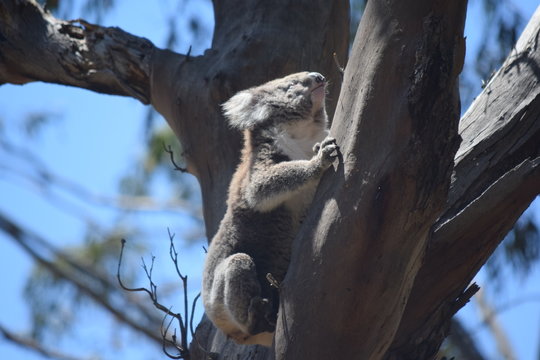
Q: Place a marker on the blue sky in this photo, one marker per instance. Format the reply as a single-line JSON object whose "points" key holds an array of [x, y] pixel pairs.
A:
{"points": [[96, 139]]}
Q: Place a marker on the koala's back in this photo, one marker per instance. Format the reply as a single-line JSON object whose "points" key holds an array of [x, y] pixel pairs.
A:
{"points": [[265, 236], [265, 239]]}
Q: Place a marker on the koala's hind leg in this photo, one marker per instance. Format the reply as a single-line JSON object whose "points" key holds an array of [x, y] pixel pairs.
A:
{"points": [[242, 295]]}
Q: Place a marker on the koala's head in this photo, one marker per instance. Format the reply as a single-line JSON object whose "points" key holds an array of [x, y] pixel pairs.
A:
{"points": [[297, 97]]}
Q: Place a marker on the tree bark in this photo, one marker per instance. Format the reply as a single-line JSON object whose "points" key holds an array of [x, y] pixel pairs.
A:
{"points": [[34, 46], [496, 176], [360, 249], [400, 227]]}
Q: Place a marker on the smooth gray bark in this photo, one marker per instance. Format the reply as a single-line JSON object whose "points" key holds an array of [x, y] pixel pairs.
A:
{"points": [[397, 119]]}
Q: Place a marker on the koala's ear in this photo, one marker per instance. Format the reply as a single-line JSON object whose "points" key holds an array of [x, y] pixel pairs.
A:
{"points": [[243, 112]]}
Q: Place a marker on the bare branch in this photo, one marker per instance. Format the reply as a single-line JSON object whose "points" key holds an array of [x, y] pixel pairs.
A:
{"points": [[152, 293], [33, 345], [174, 257], [183, 351], [169, 151], [77, 53], [182, 348], [85, 274], [193, 305]]}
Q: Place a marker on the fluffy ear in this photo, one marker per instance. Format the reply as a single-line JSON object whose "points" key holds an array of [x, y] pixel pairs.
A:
{"points": [[243, 112]]}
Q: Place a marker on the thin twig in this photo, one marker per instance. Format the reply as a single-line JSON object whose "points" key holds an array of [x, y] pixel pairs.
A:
{"points": [[174, 256], [152, 293], [184, 353], [193, 313], [168, 150], [272, 280], [123, 242], [341, 69]]}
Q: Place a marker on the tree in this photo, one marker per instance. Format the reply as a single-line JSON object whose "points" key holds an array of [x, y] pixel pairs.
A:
{"points": [[410, 214]]}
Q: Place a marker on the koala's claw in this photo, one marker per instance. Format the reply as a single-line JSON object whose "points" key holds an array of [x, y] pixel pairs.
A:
{"points": [[325, 142], [327, 150]]}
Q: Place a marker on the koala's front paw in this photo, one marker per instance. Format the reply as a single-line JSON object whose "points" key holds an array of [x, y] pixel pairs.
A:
{"points": [[327, 151]]}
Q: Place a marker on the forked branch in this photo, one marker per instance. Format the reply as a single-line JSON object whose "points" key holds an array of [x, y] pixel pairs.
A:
{"points": [[181, 346]]}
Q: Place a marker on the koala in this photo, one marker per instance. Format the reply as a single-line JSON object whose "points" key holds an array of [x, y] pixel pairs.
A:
{"points": [[286, 150]]}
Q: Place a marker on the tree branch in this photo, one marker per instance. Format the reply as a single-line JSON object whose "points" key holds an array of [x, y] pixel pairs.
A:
{"points": [[33, 345], [76, 53], [185, 321], [372, 217], [26, 239], [496, 176]]}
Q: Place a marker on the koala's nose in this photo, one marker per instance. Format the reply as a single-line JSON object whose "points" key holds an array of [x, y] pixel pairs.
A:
{"points": [[317, 77]]}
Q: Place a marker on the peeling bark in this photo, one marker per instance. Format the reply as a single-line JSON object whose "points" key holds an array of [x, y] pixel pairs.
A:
{"points": [[402, 225]]}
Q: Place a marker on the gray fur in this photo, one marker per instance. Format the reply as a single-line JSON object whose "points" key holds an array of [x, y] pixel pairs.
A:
{"points": [[284, 121]]}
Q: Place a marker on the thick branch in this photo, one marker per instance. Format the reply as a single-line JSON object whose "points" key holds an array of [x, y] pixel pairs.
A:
{"points": [[496, 176], [396, 123], [102, 59]]}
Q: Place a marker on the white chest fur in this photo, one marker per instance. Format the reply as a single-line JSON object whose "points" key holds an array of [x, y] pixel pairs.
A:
{"points": [[297, 141]]}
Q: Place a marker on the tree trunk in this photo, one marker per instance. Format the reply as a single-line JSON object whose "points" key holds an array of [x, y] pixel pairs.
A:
{"points": [[357, 256], [400, 227]]}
